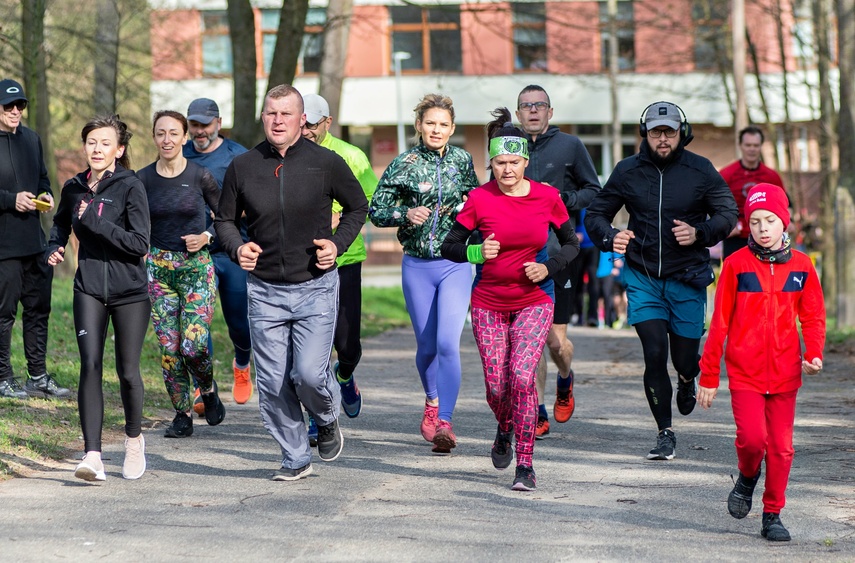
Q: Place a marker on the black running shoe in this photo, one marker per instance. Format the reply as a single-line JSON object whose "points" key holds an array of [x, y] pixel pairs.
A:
{"points": [[666, 444], [286, 474], [502, 451], [773, 529], [686, 391], [182, 426], [330, 441], [215, 411], [45, 387], [524, 480], [739, 499]]}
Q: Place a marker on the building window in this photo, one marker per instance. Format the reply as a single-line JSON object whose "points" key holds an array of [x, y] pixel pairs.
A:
{"points": [[216, 44], [430, 35], [597, 139], [625, 35], [312, 51], [529, 21], [711, 45]]}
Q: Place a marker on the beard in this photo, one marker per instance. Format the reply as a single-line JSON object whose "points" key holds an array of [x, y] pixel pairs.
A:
{"points": [[662, 161]]}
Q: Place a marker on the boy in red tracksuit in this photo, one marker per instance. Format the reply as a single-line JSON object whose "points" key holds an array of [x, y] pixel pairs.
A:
{"points": [[761, 290]]}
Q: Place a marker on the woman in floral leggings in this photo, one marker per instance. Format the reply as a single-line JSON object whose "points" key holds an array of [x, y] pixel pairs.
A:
{"points": [[513, 295], [180, 271]]}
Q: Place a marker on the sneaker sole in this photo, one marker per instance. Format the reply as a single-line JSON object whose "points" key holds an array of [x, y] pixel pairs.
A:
{"points": [[43, 395], [88, 474], [660, 457], [522, 487], [302, 475], [340, 448], [444, 443]]}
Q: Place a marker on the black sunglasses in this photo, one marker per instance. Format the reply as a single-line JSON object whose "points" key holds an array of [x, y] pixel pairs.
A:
{"points": [[313, 126], [20, 104]]}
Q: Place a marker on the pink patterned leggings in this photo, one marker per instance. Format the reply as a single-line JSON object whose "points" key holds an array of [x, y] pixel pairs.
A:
{"points": [[510, 344]]}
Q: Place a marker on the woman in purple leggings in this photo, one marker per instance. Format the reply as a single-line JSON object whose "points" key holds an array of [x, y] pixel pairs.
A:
{"points": [[513, 295], [420, 193]]}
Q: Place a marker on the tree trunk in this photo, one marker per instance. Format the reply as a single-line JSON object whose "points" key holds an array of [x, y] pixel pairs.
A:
{"points": [[247, 126], [834, 263], [339, 14], [289, 40], [36, 86], [105, 57], [846, 115]]}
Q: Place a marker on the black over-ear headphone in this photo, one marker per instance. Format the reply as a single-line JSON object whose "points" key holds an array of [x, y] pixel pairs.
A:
{"points": [[685, 126]]}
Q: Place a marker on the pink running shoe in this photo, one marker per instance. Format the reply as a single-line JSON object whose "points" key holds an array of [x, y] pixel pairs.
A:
{"points": [[429, 421], [444, 439]]}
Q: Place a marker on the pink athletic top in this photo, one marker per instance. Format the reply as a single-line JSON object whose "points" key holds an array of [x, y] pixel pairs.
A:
{"points": [[521, 225]]}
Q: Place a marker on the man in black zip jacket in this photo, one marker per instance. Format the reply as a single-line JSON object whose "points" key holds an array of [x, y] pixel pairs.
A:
{"points": [[679, 205], [24, 275], [562, 161], [285, 186]]}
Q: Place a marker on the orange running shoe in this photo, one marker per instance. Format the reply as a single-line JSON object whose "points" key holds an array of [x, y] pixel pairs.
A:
{"points": [[198, 405], [444, 439], [242, 388], [565, 404], [542, 428]]}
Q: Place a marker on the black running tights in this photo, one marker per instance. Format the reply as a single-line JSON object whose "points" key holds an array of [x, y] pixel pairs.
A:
{"points": [[130, 322], [655, 337]]}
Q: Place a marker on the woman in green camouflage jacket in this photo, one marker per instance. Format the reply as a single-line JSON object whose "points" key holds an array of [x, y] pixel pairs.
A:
{"points": [[420, 193]]}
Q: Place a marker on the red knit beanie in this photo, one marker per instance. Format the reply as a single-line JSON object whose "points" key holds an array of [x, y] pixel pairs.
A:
{"points": [[769, 197]]}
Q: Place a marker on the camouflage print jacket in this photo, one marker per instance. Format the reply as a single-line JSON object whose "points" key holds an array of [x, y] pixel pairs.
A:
{"points": [[420, 177]]}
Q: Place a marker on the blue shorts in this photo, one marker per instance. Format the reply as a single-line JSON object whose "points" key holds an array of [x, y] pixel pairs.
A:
{"points": [[648, 298]]}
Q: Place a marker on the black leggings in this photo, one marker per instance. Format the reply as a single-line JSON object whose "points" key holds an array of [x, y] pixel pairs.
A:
{"points": [[654, 337], [130, 322], [347, 344]]}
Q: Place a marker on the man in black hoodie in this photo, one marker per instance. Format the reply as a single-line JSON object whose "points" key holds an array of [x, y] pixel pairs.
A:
{"points": [[24, 274], [679, 205], [286, 186]]}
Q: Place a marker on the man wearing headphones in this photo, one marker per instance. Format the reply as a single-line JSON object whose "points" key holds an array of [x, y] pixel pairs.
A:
{"points": [[678, 205]]}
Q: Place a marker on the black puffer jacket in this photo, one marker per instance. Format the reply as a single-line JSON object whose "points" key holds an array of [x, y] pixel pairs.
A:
{"points": [[113, 233], [689, 188]]}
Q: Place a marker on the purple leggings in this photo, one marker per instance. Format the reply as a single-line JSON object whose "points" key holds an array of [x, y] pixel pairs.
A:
{"points": [[437, 296], [510, 344]]}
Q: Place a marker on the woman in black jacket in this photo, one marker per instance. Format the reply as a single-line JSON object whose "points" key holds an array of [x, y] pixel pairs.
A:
{"points": [[107, 208]]}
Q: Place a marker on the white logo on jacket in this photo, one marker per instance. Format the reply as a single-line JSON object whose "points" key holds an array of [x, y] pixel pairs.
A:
{"points": [[799, 281]]}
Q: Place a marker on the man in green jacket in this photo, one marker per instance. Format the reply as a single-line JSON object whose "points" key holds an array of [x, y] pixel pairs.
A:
{"points": [[346, 341]]}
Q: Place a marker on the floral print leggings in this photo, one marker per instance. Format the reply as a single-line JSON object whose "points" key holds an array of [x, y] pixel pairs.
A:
{"points": [[182, 292], [510, 344]]}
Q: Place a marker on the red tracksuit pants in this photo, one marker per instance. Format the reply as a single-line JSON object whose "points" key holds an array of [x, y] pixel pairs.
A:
{"points": [[764, 429]]}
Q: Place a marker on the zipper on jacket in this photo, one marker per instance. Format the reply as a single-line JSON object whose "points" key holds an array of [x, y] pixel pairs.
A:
{"points": [[659, 220], [771, 316], [281, 170], [438, 204]]}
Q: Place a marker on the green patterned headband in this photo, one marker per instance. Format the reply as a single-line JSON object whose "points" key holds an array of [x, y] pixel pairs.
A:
{"points": [[508, 145]]}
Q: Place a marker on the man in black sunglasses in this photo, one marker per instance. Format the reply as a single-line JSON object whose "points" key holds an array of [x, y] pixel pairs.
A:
{"points": [[24, 274]]}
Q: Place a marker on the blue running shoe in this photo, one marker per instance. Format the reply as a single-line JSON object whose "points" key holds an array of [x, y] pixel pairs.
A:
{"points": [[313, 431], [351, 398]]}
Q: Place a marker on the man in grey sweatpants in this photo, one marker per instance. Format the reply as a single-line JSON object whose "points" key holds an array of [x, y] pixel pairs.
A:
{"points": [[285, 187]]}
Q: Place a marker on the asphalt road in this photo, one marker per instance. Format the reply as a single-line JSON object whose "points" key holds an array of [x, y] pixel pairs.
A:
{"points": [[387, 498]]}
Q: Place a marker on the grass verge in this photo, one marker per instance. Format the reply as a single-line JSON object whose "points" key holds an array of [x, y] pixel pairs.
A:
{"points": [[35, 432]]}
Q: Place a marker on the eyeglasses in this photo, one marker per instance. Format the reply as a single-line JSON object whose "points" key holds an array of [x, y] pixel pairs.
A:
{"points": [[656, 133], [527, 106], [20, 104], [313, 126]]}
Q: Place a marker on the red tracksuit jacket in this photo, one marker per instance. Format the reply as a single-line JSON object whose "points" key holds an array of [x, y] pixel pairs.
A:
{"points": [[756, 304]]}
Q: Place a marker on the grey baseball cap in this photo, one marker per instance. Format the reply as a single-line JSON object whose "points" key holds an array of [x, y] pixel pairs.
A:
{"points": [[663, 113], [315, 108], [11, 91], [203, 110]]}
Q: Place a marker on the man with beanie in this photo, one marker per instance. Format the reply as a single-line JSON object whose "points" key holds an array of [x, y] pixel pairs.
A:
{"points": [[741, 176], [215, 152], [24, 274], [766, 291], [678, 206], [347, 343], [559, 160]]}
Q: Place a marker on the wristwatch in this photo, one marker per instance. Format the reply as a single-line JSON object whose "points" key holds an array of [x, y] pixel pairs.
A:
{"points": [[210, 237]]}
